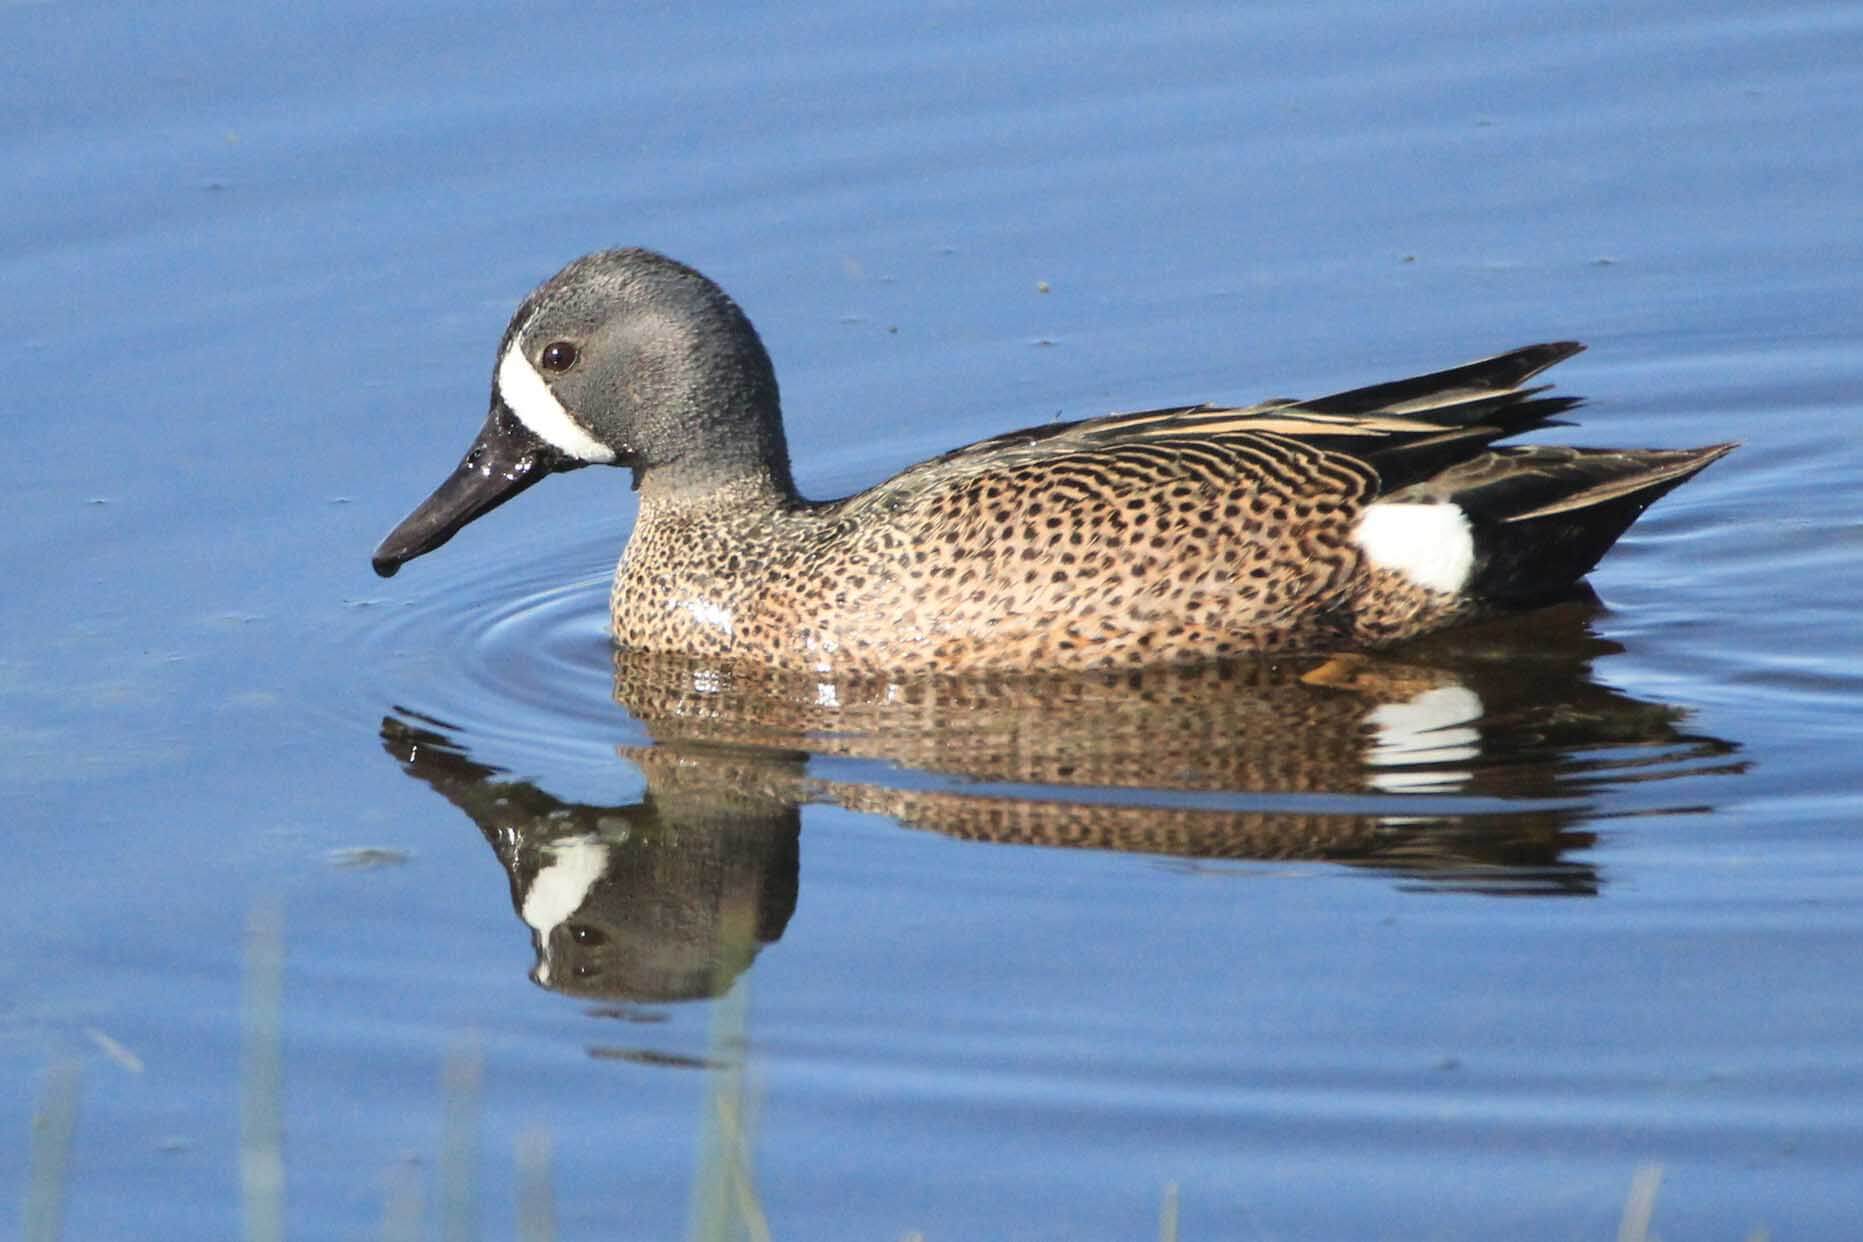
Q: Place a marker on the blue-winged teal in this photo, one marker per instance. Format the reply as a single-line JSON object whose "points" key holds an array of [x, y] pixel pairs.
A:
{"points": [[1168, 536]]}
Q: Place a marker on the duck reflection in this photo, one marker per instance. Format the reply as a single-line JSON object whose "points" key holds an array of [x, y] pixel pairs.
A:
{"points": [[1470, 763]]}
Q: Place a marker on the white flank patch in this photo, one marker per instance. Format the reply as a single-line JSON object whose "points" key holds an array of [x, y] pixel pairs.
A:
{"points": [[559, 890], [1437, 726], [537, 408], [717, 616], [1429, 544]]}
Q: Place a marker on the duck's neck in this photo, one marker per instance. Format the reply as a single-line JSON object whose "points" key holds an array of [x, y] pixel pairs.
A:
{"points": [[742, 495], [723, 445]]}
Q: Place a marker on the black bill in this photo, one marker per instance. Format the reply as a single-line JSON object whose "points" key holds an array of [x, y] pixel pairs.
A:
{"points": [[506, 458]]}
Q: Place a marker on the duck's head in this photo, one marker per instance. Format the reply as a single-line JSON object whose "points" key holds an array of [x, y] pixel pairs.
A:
{"points": [[623, 358]]}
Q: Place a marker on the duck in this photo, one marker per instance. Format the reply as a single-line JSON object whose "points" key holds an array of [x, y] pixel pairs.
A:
{"points": [[1175, 536]]}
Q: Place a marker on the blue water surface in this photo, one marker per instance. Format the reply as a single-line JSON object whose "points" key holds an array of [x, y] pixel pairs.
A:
{"points": [[256, 264]]}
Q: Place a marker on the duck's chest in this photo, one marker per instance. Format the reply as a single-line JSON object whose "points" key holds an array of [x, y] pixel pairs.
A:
{"points": [[689, 586]]}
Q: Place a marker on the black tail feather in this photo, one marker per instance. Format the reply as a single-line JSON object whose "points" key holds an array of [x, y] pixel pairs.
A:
{"points": [[1544, 516], [1501, 372]]}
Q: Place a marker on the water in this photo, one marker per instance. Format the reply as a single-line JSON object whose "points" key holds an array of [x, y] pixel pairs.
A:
{"points": [[1448, 944]]}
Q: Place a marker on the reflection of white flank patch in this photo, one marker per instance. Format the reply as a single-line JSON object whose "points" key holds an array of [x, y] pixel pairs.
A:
{"points": [[1429, 544], [537, 408], [1435, 727], [560, 888]]}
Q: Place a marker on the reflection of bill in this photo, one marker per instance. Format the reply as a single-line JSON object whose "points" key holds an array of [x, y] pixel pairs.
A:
{"points": [[1478, 766]]}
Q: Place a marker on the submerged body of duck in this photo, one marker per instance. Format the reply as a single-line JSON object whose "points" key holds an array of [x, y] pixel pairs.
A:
{"points": [[1168, 536]]}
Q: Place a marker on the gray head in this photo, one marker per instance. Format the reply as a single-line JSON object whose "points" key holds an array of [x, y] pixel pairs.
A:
{"points": [[626, 358]]}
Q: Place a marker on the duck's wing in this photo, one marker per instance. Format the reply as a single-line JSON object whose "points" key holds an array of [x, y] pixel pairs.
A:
{"points": [[1405, 430]]}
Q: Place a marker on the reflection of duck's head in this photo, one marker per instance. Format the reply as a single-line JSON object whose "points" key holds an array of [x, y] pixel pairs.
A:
{"points": [[666, 899], [639, 919]]}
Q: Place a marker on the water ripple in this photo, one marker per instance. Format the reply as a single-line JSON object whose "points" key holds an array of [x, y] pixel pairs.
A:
{"points": [[510, 651]]}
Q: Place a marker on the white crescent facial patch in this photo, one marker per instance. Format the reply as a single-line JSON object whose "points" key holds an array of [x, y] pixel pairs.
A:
{"points": [[538, 409]]}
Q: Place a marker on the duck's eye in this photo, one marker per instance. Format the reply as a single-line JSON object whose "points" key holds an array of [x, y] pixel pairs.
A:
{"points": [[557, 356]]}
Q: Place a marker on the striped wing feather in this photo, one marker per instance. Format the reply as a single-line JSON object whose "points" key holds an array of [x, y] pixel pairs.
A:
{"points": [[1406, 430]]}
